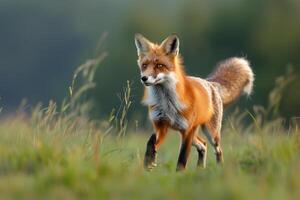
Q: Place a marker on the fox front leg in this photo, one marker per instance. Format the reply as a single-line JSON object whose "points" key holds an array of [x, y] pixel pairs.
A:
{"points": [[154, 143], [150, 155]]}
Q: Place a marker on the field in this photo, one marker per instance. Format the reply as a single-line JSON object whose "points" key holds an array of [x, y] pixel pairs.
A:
{"points": [[58, 152], [51, 156]]}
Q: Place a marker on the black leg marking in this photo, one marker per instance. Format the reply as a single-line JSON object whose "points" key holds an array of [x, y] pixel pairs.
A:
{"points": [[219, 154], [218, 151], [201, 158], [182, 159], [183, 155], [150, 155]]}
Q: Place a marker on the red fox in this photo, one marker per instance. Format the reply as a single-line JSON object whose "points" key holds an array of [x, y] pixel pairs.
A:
{"points": [[185, 103]]}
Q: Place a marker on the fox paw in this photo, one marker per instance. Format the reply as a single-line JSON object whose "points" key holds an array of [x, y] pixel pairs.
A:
{"points": [[150, 166], [150, 162]]}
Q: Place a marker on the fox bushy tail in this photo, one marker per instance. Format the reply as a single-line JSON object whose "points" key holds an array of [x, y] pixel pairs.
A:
{"points": [[234, 77]]}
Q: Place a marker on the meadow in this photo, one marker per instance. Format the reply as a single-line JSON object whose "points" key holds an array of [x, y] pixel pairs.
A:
{"points": [[57, 152]]}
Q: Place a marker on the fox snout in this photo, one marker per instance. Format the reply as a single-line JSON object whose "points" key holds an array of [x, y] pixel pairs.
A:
{"points": [[149, 80], [144, 78], [154, 80]]}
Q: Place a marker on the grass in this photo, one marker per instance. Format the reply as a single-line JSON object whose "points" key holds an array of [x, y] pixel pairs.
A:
{"points": [[57, 152], [56, 158]]}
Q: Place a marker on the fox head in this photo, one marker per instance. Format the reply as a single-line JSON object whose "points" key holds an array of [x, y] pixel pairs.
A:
{"points": [[157, 62]]}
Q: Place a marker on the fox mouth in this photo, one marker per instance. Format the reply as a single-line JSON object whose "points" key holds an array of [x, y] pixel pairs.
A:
{"points": [[157, 81]]}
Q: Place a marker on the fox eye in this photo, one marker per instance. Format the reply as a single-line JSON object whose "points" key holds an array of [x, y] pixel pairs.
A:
{"points": [[144, 66], [159, 65]]}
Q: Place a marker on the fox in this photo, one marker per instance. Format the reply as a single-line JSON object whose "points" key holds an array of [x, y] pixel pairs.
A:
{"points": [[186, 103]]}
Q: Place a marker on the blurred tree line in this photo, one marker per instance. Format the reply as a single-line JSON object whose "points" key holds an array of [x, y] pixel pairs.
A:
{"points": [[43, 41]]}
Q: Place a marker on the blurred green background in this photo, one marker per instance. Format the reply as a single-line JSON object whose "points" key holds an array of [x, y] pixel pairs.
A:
{"points": [[42, 42]]}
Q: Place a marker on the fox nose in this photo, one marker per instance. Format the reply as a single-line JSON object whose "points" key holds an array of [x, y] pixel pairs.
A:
{"points": [[144, 78]]}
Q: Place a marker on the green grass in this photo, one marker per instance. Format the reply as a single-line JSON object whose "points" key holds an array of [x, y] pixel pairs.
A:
{"points": [[57, 152], [56, 159]]}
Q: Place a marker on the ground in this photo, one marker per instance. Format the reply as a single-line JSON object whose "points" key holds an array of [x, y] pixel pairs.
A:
{"points": [[39, 159]]}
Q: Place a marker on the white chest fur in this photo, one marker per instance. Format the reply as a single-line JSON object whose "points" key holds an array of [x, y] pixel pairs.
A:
{"points": [[166, 105]]}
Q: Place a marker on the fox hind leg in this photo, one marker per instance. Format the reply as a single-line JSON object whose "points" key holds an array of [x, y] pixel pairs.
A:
{"points": [[214, 138], [212, 129], [218, 151], [201, 147], [186, 144]]}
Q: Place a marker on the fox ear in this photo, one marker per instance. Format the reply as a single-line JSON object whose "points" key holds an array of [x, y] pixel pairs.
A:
{"points": [[171, 45], [142, 44]]}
